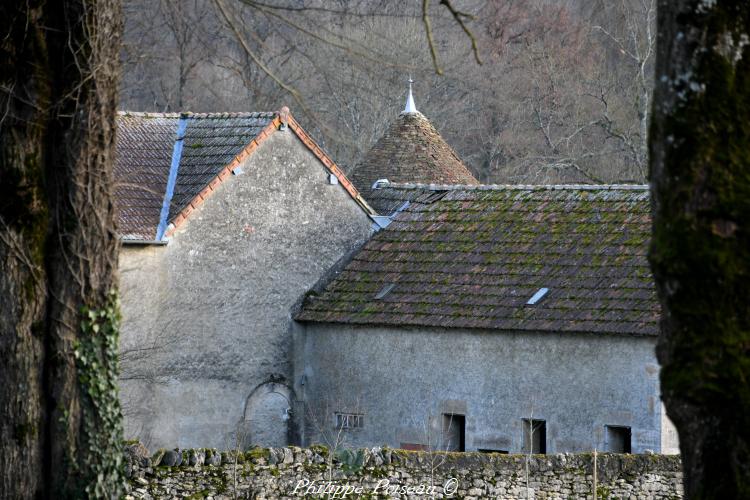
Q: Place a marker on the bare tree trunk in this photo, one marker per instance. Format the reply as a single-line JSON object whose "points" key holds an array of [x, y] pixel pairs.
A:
{"points": [[60, 429], [700, 253]]}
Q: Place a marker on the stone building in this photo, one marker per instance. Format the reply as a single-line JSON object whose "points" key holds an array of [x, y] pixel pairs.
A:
{"points": [[226, 221], [490, 318], [444, 315]]}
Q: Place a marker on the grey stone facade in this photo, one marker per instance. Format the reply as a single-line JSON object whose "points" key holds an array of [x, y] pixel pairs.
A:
{"points": [[206, 332], [403, 381]]}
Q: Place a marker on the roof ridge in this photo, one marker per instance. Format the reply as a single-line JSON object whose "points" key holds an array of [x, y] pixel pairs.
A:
{"points": [[518, 187], [190, 114], [147, 114], [270, 128]]}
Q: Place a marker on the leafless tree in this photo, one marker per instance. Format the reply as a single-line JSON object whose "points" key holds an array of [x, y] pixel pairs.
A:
{"points": [[563, 94], [326, 419], [546, 107], [169, 46]]}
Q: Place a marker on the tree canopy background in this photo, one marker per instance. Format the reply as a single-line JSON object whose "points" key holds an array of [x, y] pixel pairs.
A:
{"points": [[562, 94]]}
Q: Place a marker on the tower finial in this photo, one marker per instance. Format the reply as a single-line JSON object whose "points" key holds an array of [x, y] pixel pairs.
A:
{"points": [[410, 107]]}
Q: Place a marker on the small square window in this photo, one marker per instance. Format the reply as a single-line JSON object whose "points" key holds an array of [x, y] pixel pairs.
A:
{"points": [[618, 439]]}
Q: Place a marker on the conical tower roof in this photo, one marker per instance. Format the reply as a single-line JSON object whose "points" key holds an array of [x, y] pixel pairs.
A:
{"points": [[411, 150]]}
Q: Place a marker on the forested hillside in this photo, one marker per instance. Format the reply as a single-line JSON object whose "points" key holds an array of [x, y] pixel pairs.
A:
{"points": [[562, 93]]}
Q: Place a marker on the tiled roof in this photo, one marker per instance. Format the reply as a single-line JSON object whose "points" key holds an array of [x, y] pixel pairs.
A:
{"points": [[472, 257], [411, 150], [212, 144], [390, 198], [143, 156]]}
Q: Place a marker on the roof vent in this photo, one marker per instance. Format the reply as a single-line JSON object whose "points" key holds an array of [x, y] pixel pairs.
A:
{"points": [[380, 183], [539, 295], [384, 291]]}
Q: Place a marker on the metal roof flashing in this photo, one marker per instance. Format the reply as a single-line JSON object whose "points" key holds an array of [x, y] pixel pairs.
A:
{"points": [[172, 179]]}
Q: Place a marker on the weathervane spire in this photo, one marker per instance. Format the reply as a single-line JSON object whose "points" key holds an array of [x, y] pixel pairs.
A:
{"points": [[410, 107]]}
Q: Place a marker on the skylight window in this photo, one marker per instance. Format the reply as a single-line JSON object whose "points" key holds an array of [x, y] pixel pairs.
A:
{"points": [[539, 295], [385, 290]]}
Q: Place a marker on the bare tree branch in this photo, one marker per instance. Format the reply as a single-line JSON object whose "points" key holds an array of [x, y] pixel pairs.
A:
{"points": [[459, 17], [428, 33]]}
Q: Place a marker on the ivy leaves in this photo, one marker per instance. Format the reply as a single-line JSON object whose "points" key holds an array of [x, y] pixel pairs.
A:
{"points": [[96, 362]]}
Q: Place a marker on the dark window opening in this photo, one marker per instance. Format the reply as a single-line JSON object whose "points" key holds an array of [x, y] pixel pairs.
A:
{"points": [[618, 439], [489, 450], [534, 436], [454, 432]]}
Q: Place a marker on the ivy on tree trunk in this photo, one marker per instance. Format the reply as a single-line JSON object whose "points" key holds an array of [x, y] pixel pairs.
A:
{"points": [[700, 251], [60, 423]]}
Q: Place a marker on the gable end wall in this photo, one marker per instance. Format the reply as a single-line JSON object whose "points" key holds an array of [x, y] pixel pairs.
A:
{"points": [[206, 319]]}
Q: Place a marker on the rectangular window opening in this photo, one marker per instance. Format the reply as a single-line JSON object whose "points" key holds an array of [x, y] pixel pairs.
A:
{"points": [[454, 432], [490, 450], [349, 420], [618, 439], [534, 436]]}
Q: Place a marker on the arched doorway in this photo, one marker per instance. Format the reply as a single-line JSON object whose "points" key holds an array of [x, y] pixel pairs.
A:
{"points": [[267, 415]]}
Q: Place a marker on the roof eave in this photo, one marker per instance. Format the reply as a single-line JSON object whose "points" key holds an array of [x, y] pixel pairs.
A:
{"points": [[384, 324], [132, 242]]}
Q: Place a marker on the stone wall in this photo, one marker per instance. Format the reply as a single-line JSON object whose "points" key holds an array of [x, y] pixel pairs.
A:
{"points": [[271, 473]]}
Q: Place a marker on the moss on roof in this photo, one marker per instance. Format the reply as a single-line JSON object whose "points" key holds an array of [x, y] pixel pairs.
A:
{"points": [[473, 257]]}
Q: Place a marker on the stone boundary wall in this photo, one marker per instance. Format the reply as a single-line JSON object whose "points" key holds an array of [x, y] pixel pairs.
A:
{"points": [[279, 473]]}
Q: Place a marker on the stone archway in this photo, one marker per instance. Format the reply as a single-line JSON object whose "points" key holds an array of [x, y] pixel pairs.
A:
{"points": [[267, 416]]}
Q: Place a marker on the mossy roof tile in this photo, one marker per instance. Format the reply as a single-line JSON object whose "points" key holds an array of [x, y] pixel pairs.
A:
{"points": [[472, 258]]}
